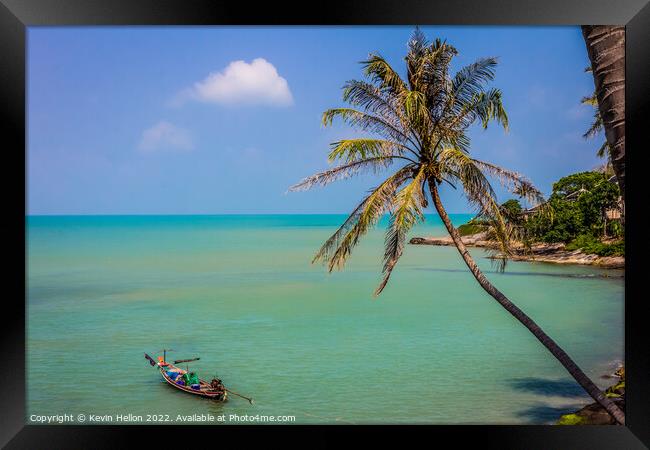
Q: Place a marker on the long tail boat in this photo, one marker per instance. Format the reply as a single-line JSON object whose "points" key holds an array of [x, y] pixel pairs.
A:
{"points": [[174, 376]]}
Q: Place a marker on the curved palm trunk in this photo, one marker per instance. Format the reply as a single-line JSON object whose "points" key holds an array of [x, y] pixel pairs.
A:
{"points": [[606, 49], [549, 343]]}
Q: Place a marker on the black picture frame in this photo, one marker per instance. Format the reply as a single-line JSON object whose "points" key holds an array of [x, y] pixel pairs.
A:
{"points": [[16, 15]]}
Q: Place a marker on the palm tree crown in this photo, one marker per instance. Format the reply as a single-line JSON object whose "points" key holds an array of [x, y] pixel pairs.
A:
{"points": [[419, 125]]}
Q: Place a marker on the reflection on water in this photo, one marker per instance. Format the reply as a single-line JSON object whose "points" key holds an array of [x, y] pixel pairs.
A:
{"points": [[613, 274], [564, 388]]}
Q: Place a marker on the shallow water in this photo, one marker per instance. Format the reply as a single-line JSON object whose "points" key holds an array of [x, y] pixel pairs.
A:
{"points": [[240, 292]]}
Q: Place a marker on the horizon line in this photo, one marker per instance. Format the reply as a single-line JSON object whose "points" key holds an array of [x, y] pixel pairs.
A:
{"points": [[213, 214]]}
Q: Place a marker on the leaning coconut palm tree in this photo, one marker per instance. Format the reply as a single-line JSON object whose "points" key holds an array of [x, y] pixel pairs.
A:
{"points": [[419, 126]]}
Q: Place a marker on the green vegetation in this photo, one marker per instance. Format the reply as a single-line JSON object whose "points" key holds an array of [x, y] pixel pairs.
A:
{"points": [[511, 211], [616, 391], [574, 215], [472, 227], [590, 244], [597, 127], [577, 203], [572, 419], [594, 414]]}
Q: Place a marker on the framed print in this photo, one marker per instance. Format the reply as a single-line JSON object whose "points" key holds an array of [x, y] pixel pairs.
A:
{"points": [[384, 219]]}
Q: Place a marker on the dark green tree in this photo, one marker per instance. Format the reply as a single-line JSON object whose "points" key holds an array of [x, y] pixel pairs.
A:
{"points": [[577, 204], [511, 211]]}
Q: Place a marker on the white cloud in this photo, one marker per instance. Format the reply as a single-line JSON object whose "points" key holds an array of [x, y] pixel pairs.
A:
{"points": [[165, 136], [241, 83]]}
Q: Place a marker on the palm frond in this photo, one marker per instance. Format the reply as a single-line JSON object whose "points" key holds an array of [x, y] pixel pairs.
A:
{"points": [[603, 151], [379, 71], [454, 138], [486, 106], [342, 172], [409, 203], [495, 234], [591, 100], [339, 246], [415, 106], [351, 150], [513, 181], [366, 122], [490, 107], [596, 126], [418, 42], [372, 99], [429, 73], [455, 163], [469, 81]]}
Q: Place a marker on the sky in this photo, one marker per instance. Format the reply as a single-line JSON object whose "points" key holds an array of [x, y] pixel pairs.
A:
{"points": [[222, 120]]}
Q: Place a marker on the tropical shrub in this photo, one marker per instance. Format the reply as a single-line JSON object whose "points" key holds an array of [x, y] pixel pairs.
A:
{"points": [[577, 205], [470, 228], [590, 244]]}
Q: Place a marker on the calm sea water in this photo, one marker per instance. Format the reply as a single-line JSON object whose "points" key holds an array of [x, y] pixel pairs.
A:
{"points": [[240, 292]]}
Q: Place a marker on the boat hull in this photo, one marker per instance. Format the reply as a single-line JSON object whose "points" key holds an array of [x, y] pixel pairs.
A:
{"points": [[204, 392]]}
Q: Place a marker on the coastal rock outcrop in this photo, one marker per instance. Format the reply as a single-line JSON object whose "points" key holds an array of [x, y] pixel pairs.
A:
{"points": [[551, 253], [594, 414]]}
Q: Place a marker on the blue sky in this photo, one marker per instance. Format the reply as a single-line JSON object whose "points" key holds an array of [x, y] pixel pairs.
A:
{"points": [[211, 120]]}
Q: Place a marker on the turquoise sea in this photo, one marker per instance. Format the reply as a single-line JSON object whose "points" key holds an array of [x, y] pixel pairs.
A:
{"points": [[240, 292]]}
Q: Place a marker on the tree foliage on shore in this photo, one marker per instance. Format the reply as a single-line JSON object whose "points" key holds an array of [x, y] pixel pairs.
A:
{"points": [[574, 215], [578, 203], [511, 211]]}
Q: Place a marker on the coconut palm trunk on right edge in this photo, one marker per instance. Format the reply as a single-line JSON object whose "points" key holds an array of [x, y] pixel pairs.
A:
{"points": [[549, 343], [606, 50]]}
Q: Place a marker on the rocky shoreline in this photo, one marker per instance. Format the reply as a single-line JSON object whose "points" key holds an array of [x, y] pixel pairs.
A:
{"points": [[594, 414], [549, 253]]}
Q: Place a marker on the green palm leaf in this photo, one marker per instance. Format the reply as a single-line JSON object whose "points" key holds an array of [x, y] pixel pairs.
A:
{"points": [[379, 71], [470, 80], [351, 150], [367, 122], [478, 190], [374, 100], [342, 172], [409, 203], [339, 246], [513, 181]]}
